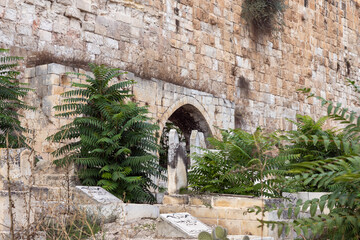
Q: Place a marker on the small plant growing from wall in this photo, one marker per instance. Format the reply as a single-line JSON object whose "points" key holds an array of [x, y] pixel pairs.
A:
{"points": [[265, 16]]}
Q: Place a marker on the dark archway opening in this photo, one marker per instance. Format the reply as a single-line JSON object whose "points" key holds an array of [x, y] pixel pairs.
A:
{"points": [[184, 120]]}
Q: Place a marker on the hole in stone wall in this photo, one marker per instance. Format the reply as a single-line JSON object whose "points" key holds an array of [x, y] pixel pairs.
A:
{"points": [[306, 3], [176, 11], [243, 84], [239, 122], [177, 23], [348, 67]]}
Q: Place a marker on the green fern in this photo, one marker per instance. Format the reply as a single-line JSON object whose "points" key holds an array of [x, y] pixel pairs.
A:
{"points": [[11, 94], [111, 139], [242, 163], [343, 204], [341, 174], [314, 143]]}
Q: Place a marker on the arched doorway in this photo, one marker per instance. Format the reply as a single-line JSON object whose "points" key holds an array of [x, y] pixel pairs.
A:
{"points": [[184, 119], [188, 118]]}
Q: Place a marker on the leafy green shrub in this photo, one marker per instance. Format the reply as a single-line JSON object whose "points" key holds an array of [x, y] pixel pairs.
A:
{"points": [[111, 139], [11, 94], [264, 15], [242, 163], [314, 143], [341, 174]]}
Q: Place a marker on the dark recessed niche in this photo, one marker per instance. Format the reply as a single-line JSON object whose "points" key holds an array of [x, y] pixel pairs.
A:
{"points": [[306, 3], [177, 23]]}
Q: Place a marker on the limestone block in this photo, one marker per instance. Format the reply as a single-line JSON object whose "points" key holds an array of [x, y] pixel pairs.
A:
{"points": [[29, 72], [45, 35], [41, 70], [111, 43], [203, 212], [175, 199], [61, 24], [236, 202], [73, 12], [88, 26], [84, 5], [56, 68], [46, 24], [93, 48], [139, 211], [94, 38], [24, 30], [10, 14]]}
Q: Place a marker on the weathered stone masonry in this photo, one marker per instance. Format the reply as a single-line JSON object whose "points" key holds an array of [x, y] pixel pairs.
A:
{"points": [[202, 45]]}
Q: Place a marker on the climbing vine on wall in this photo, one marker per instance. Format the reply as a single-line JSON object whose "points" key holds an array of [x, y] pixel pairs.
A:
{"points": [[264, 15]]}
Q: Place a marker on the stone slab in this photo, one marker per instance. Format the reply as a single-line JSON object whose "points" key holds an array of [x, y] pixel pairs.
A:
{"points": [[185, 223], [98, 194]]}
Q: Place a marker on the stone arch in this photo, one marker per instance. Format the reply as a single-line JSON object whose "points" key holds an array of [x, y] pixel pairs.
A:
{"points": [[188, 107]]}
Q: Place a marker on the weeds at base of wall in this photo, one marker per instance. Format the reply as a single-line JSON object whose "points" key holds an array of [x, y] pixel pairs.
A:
{"points": [[58, 219]]}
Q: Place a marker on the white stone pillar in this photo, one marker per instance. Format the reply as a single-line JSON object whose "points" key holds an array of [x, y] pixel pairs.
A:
{"points": [[197, 141], [177, 169]]}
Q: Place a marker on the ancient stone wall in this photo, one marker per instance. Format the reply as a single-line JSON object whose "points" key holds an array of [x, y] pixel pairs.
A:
{"points": [[202, 45], [163, 99]]}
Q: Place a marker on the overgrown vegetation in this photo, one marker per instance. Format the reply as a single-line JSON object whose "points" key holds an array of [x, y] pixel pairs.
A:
{"points": [[12, 93], [341, 174], [242, 163], [77, 226], [312, 142], [312, 158], [111, 138], [264, 15]]}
